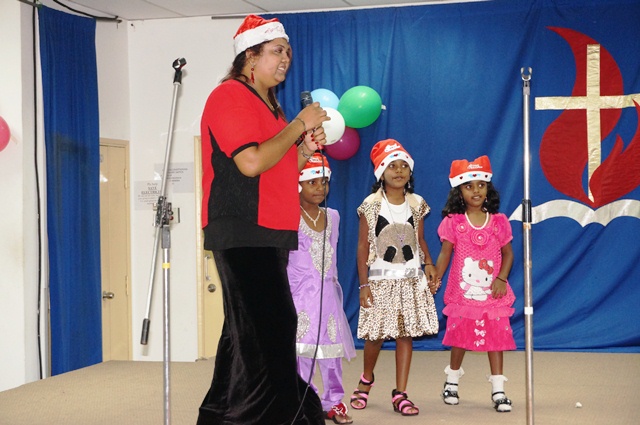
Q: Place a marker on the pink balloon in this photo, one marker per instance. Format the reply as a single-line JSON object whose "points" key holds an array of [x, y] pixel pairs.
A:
{"points": [[5, 134], [346, 146]]}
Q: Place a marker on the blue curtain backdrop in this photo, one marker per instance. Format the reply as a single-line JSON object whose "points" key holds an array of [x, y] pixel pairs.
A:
{"points": [[70, 94], [449, 76]]}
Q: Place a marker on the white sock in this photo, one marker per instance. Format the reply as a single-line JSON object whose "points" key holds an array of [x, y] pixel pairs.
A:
{"points": [[453, 377], [497, 386]]}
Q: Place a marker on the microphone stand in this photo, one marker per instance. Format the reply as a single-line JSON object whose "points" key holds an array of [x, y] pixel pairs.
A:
{"points": [[162, 219], [526, 241]]}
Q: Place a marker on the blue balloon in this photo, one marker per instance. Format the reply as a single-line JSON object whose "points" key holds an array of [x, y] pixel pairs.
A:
{"points": [[327, 98]]}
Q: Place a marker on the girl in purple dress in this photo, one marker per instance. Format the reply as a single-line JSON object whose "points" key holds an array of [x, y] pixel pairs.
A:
{"points": [[313, 276], [478, 299]]}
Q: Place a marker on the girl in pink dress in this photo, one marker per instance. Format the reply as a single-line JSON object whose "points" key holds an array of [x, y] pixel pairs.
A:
{"points": [[478, 298]]}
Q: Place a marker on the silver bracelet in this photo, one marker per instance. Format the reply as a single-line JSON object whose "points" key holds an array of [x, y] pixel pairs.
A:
{"points": [[304, 154]]}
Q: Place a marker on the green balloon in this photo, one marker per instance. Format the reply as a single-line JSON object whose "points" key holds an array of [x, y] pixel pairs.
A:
{"points": [[360, 106]]}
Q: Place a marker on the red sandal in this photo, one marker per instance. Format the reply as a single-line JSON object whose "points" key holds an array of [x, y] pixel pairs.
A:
{"points": [[402, 404], [359, 396], [338, 411]]}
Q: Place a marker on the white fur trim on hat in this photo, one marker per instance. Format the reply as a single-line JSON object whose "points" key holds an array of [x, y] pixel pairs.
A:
{"points": [[398, 154], [249, 38], [466, 177], [314, 173]]}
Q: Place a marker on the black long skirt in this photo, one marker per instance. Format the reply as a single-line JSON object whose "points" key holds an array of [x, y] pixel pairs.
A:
{"points": [[255, 380]]}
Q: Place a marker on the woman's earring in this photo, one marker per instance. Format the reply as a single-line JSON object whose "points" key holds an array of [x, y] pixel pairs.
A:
{"points": [[252, 80]]}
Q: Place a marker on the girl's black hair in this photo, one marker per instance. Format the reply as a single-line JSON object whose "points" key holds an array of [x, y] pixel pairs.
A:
{"points": [[455, 202], [235, 73], [409, 187]]}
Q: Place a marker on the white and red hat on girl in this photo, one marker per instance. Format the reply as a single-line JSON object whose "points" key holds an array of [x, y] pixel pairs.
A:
{"points": [[316, 167], [255, 30], [463, 171], [385, 152]]}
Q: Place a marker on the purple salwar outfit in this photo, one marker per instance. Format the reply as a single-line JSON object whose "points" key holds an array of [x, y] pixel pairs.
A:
{"points": [[315, 312]]}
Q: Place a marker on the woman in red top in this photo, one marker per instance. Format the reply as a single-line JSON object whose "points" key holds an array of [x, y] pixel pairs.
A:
{"points": [[251, 160]]}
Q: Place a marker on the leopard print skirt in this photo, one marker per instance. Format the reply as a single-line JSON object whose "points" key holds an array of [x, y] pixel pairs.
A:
{"points": [[400, 309]]}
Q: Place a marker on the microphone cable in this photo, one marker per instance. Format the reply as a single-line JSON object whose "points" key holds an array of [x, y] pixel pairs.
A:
{"points": [[322, 275]]}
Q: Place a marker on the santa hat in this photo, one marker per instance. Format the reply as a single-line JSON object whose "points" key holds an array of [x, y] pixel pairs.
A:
{"points": [[463, 171], [385, 152], [316, 166], [255, 30]]}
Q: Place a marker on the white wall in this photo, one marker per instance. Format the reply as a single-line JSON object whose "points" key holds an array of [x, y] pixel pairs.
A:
{"points": [[153, 45], [113, 79], [18, 230]]}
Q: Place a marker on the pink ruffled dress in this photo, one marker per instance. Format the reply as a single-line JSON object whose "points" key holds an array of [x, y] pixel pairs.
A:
{"points": [[475, 320]]}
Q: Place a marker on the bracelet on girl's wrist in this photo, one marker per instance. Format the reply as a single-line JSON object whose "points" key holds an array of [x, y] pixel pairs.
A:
{"points": [[498, 277], [366, 285], [428, 264]]}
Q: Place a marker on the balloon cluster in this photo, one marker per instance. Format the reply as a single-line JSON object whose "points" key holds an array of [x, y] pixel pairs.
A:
{"points": [[358, 107]]}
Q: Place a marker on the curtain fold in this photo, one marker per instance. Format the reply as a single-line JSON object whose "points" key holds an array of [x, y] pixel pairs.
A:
{"points": [[449, 77], [71, 120]]}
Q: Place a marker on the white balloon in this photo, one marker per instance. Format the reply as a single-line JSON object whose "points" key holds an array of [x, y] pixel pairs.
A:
{"points": [[334, 128]]}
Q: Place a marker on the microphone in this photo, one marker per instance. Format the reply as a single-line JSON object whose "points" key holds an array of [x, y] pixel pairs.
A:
{"points": [[305, 99], [177, 65]]}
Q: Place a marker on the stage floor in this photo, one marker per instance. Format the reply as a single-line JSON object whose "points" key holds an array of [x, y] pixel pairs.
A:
{"points": [[606, 385]]}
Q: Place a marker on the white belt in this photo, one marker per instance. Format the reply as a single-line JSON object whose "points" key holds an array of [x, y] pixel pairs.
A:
{"points": [[409, 272]]}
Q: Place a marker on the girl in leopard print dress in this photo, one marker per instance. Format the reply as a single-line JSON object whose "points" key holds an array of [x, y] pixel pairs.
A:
{"points": [[396, 296]]}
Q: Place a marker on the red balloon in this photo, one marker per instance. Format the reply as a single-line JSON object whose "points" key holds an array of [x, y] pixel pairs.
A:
{"points": [[346, 146], [5, 134]]}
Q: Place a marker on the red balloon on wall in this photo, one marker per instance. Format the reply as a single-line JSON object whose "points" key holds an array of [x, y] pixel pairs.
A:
{"points": [[346, 146], [5, 134]]}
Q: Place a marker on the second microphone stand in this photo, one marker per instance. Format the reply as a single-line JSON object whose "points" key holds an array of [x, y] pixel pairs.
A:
{"points": [[162, 220]]}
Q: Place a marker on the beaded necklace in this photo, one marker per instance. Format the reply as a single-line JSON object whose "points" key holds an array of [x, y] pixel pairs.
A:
{"points": [[314, 221], [486, 220]]}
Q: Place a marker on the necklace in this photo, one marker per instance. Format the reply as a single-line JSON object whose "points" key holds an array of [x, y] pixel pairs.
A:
{"points": [[486, 220], [402, 236], [314, 221]]}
